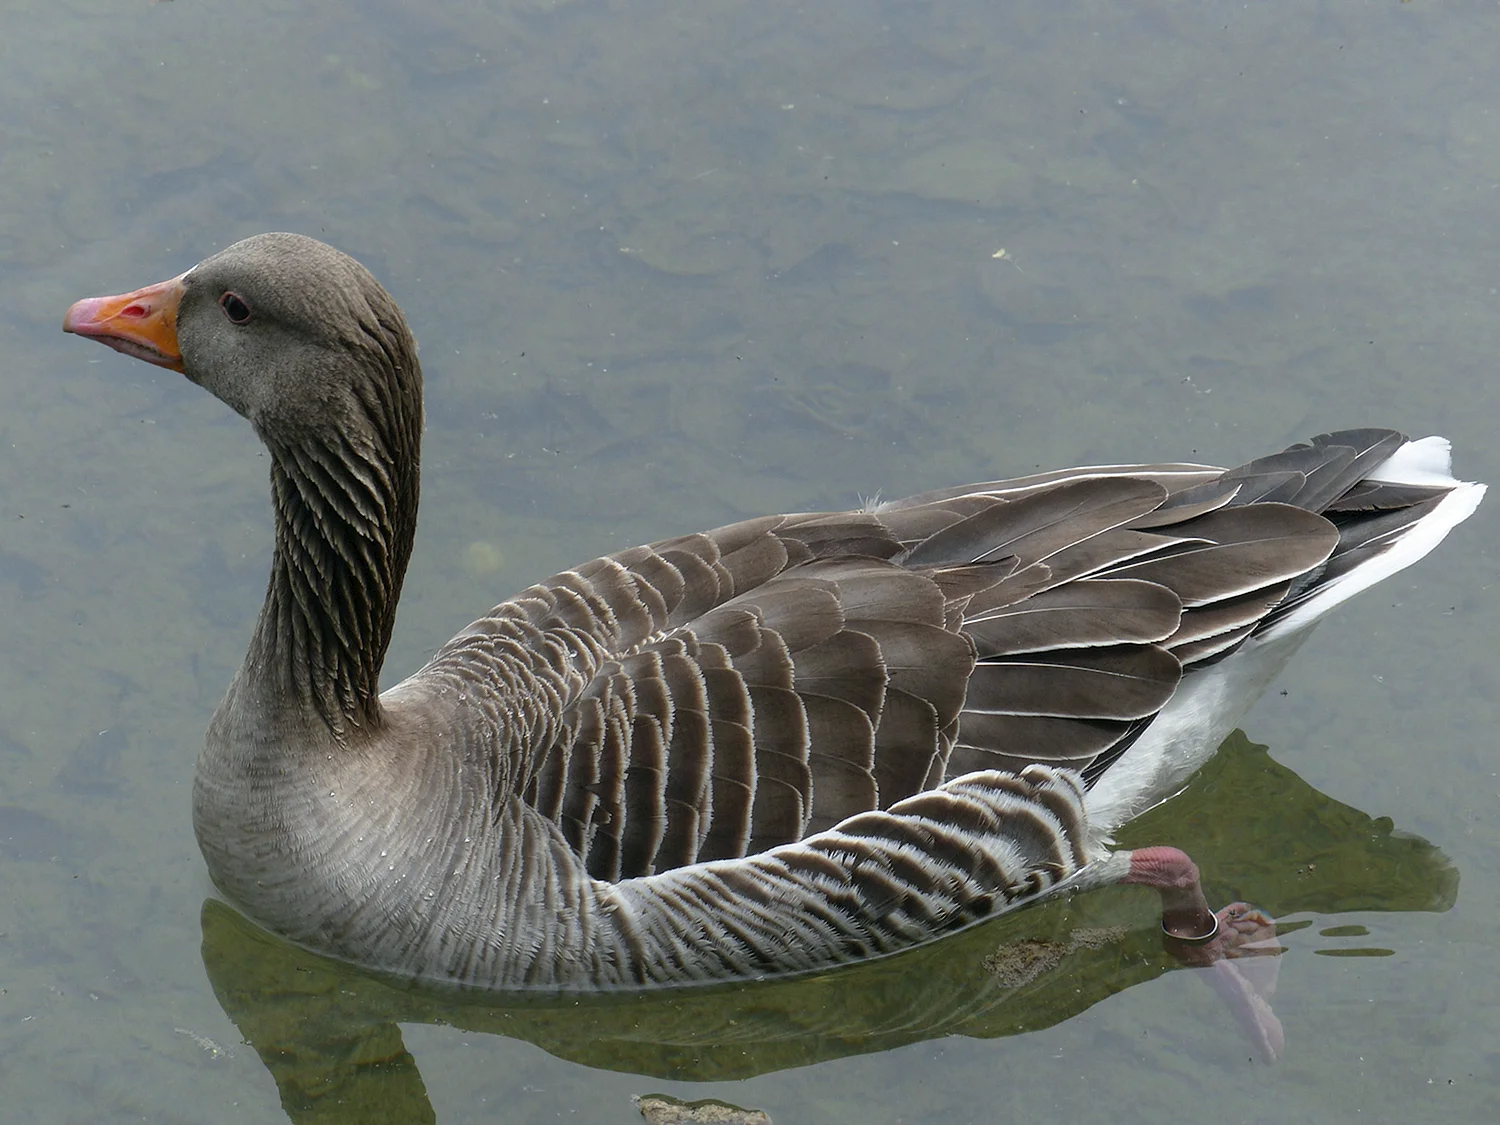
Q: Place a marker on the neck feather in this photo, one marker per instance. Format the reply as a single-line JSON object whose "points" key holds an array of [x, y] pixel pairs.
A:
{"points": [[345, 500]]}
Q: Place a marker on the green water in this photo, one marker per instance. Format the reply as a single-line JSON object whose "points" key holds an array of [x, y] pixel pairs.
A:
{"points": [[679, 263]]}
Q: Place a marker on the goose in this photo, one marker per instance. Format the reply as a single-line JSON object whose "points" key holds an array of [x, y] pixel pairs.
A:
{"points": [[777, 746]]}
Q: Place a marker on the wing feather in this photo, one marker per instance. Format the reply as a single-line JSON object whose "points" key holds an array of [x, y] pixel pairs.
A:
{"points": [[719, 694]]}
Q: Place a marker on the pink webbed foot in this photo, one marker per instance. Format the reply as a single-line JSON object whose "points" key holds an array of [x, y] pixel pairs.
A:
{"points": [[1237, 945], [1243, 969]]}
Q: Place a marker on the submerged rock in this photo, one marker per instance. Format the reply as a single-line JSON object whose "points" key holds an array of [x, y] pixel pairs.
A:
{"points": [[662, 1109]]}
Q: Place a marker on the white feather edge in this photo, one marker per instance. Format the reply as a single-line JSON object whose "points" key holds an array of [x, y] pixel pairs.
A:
{"points": [[1428, 462], [1210, 703]]}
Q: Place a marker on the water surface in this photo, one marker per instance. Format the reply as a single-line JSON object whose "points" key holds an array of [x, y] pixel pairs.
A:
{"points": [[677, 264]]}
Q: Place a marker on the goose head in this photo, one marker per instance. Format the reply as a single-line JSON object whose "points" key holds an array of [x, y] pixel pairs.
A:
{"points": [[296, 336]]}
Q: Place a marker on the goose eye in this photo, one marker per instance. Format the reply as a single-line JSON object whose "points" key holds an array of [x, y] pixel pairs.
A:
{"points": [[235, 308]]}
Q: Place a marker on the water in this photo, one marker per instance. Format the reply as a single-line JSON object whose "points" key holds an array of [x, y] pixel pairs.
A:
{"points": [[677, 265]]}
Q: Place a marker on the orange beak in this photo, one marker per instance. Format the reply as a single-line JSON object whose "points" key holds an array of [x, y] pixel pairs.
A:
{"points": [[141, 324]]}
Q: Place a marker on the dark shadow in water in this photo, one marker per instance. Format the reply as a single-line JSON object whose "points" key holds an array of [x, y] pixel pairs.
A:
{"points": [[328, 1032]]}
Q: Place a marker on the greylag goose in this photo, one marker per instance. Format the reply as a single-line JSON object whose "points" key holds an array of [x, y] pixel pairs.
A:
{"points": [[780, 745]]}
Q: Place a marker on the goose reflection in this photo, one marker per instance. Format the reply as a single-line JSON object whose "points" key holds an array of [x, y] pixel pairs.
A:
{"points": [[329, 1035]]}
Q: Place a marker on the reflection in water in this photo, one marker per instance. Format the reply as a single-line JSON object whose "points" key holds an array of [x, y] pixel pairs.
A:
{"points": [[328, 1032]]}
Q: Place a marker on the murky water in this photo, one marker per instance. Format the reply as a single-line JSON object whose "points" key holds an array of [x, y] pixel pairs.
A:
{"points": [[676, 264]]}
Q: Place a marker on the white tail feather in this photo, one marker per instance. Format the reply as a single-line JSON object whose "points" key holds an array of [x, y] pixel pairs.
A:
{"points": [[1425, 462]]}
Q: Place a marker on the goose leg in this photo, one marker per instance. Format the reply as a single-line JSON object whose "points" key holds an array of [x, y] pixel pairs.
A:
{"points": [[1185, 915], [1217, 941]]}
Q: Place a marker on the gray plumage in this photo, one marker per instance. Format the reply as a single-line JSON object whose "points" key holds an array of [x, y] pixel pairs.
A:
{"points": [[782, 744]]}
